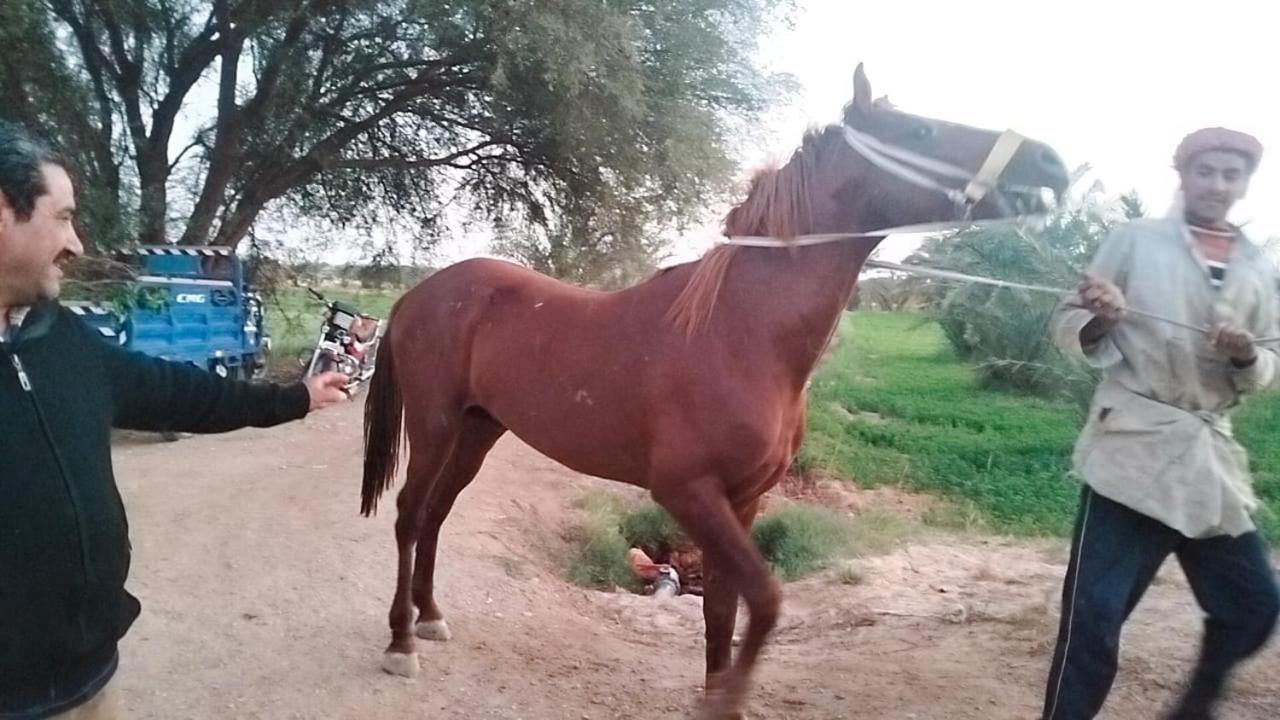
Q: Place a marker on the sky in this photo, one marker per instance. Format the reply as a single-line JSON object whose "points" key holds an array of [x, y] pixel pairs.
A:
{"points": [[1113, 84]]}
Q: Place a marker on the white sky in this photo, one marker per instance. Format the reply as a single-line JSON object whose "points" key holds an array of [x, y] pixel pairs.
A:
{"points": [[1113, 84]]}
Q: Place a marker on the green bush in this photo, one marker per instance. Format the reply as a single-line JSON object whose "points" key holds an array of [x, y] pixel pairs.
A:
{"points": [[651, 527], [1005, 332], [800, 539], [599, 556], [600, 559], [795, 539]]}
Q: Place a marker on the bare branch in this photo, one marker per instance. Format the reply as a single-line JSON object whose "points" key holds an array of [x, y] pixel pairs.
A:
{"points": [[402, 163], [197, 142]]}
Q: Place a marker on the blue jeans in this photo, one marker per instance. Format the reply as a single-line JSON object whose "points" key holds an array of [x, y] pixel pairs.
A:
{"points": [[1115, 554]]}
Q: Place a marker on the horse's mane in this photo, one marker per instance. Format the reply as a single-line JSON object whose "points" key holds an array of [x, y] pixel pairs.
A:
{"points": [[778, 205]]}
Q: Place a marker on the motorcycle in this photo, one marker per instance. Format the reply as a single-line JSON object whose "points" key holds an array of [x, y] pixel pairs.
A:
{"points": [[348, 343]]}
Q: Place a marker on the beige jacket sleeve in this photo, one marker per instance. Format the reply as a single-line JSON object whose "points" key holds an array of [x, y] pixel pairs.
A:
{"points": [[1264, 323], [1111, 263]]}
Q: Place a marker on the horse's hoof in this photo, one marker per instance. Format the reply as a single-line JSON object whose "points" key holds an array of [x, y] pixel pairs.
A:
{"points": [[437, 630], [402, 664]]}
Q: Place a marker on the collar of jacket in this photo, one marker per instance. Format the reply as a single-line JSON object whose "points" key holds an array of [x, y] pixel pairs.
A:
{"points": [[38, 322]]}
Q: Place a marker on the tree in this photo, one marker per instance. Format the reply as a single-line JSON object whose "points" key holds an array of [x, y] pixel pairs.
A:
{"points": [[578, 119], [382, 269], [41, 89], [605, 248], [1132, 206]]}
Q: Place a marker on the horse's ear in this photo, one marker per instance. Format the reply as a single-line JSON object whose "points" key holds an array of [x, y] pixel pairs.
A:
{"points": [[861, 88]]}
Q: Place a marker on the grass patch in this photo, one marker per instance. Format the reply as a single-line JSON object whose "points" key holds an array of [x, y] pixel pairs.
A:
{"points": [[610, 527], [795, 539], [798, 540], [599, 557], [999, 461], [651, 528], [1257, 425]]}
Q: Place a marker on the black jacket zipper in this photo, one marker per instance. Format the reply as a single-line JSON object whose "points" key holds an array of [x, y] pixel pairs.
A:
{"points": [[25, 381]]}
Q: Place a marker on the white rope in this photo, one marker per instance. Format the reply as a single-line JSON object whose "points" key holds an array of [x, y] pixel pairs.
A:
{"points": [[823, 238], [901, 166], [1057, 292]]}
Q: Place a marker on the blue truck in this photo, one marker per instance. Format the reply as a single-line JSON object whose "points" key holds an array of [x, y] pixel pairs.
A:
{"points": [[190, 304]]}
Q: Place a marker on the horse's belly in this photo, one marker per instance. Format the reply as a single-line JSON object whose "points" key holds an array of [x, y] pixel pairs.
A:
{"points": [[589, 439]]}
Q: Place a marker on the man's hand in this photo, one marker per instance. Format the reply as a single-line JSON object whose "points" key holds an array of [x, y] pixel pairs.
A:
{"points": [[1102, 298], [326, 389], [1235, 343]]}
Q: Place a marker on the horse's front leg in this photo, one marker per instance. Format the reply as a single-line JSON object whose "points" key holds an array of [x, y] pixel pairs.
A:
{"points": [[720, 613], [703, 510]]}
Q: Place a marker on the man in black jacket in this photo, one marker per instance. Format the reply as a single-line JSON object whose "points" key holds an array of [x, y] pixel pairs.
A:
{"points": [[64, 548]]}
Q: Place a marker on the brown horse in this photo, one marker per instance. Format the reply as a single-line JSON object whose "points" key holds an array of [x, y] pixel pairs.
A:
{"points": [[690, 384]]}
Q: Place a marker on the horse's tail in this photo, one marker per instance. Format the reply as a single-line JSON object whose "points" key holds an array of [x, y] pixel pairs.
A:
{"points": [[383, 420]]}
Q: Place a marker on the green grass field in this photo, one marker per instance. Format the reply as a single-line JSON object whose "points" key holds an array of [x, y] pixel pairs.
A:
{"points": [[894, 406]]}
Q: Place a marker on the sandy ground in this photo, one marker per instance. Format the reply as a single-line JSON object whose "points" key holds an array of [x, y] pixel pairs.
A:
{"points": [[265, 596]]}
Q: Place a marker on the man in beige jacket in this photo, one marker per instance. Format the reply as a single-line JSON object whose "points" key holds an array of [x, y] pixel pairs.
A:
{"points": [[1162, 473]]}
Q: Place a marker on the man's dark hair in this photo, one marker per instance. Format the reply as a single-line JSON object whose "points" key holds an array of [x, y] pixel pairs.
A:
{"points": [[21, 158]]}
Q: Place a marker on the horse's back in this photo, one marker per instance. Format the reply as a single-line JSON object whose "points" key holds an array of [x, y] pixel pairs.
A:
{"points": [[490, 302], [492, 283]]}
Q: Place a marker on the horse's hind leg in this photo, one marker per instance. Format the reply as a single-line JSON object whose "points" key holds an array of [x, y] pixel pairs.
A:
{"points": [[430, 450], [479, 433], [711, 521]]}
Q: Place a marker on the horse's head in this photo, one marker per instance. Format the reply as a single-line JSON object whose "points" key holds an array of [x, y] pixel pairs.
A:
{"points": [[885, 168]]}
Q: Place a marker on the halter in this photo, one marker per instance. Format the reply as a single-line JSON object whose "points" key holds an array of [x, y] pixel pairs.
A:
{"points": [[914, 168], [919, 170]]}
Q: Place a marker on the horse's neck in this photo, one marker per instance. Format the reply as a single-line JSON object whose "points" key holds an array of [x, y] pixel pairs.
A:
{"points": [[798, 295]]}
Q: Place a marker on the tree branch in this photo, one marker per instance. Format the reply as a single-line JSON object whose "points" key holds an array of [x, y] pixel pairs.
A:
{"points": [[130, 68], [323, 153], [234, 122], [197, 142], [195, 58], [402, 163]]}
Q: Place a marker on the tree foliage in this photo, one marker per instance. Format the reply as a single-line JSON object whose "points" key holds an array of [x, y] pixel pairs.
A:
{"points": [[569, 120]]}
